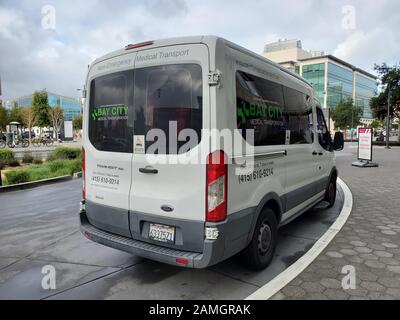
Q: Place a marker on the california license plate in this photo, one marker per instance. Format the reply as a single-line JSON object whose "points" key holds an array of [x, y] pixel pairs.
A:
{"points": [[162, 233]]}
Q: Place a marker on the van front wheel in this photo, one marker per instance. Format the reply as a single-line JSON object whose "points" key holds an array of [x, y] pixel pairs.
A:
{"points": [[261, 249], [330, 194]]}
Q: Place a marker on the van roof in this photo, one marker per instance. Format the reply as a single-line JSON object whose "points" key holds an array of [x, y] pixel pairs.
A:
{"points": [[209, 40]]}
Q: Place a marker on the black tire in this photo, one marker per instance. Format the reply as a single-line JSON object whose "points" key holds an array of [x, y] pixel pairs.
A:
{"points": [[49, 142], [2, 144], [330, 193], [259, 253], [25, 143]]}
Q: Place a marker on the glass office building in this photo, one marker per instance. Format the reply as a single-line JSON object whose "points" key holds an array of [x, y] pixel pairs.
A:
{"points": [[71, 106], [333, 79], [365, 89], [315, 74], [340, 85]]}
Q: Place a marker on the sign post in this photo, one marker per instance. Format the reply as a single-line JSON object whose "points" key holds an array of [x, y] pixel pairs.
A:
{"points": [[364, 152]]}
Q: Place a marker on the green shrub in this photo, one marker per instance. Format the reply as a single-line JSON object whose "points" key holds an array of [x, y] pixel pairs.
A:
{"points": [[39, 172], [64, 153], [37, 161], [28, 158], [57, 165], [2, 164], [17, 176], [14, 163], [47, 170], [75, 165], [6, 156]]}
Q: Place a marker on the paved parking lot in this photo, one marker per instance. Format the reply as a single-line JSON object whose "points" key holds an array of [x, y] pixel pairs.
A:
{"points": [[39, 227], [369, 241]]}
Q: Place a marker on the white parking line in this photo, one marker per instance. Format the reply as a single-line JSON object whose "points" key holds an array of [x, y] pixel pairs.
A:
{"points": [[281, 280]]}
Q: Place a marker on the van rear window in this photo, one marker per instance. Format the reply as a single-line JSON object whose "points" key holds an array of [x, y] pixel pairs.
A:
{"points": [[110, 103], [133, 102]]}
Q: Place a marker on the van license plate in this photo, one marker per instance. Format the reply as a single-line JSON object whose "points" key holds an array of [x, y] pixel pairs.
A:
{"points": [[162, 233]]}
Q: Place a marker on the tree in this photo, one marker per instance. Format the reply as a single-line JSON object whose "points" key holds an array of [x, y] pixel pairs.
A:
{"points": [[3, 118], [389, 76], [346, 115], [376, 124], [28, 119], [77, 122], [41, 108], [15, 114], [57, 117]]}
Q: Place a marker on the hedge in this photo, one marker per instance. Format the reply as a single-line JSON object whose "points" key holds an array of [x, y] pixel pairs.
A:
{"points": [[7, 156], [51, 169], [64, 153]]}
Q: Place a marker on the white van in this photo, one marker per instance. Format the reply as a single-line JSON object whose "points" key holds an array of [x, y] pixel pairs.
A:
{"points": [[200, 212]]}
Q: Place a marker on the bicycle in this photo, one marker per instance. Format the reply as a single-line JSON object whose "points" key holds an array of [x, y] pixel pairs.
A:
{"points": [[45, 141], [24, 143]]}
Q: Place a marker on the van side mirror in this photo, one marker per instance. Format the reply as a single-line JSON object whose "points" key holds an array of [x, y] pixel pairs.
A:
{"points": [[338, 141]]}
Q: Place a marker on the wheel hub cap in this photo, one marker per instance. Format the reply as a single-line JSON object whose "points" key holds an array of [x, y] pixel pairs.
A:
{"points": [[264, 238]]}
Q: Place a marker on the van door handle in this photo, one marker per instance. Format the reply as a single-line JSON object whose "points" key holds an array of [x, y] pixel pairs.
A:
{"points": [[314, 153], [320, 153], [148, 170]]}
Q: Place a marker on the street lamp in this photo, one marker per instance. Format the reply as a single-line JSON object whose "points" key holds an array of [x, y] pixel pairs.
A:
{"points": [[388, 119], [83, 96]]}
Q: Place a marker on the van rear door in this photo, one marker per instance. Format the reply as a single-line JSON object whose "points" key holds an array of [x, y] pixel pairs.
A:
{"points": [[171, 107], [108, 143]]}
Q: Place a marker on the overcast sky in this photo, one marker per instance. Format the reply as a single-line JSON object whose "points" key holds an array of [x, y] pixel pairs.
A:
{"points": [[33, 57]]}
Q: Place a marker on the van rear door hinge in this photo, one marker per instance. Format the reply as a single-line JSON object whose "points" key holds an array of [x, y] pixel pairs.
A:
{"points": [[214, 78]]}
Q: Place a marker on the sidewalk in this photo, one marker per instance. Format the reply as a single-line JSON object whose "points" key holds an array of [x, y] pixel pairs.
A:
{"points": [[369, 241]]}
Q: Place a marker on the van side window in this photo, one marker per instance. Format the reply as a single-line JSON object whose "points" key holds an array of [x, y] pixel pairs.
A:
{"points": [[110, 101], [324, 136], [260, 106], [272, 110], [298, 116]]}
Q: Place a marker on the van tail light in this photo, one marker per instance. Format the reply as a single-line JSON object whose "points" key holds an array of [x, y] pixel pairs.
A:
{"points": [[83, 174], [216, 188]]}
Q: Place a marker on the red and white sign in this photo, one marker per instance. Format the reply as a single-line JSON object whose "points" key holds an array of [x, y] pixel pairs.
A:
{"points": [[365, 144]]}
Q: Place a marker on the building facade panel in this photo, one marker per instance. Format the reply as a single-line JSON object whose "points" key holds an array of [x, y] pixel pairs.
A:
{"points": [[70, 106], [340, 85], [365, 89], [333, 79], [315, 74]]}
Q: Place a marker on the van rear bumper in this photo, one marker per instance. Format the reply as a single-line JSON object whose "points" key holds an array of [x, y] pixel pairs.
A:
{"points": [[214, 250]]}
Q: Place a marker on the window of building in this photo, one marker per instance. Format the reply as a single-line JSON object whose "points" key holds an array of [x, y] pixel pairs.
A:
{"points": [[315, 75], [365, 89], [340, 84]]}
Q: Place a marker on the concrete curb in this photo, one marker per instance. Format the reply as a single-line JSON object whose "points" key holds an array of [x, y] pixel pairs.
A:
{"points": [[33, 184], [285, 277]]}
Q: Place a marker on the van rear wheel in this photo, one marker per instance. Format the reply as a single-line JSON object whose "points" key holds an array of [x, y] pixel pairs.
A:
{"points": [[259, 253], [330, 194]]}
